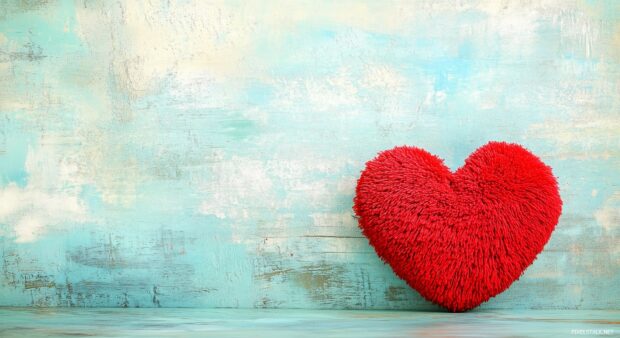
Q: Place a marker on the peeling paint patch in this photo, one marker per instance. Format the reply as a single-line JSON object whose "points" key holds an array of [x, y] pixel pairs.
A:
{"points": [[317, 279], [206, 154], [37, 281], [396, 293]]}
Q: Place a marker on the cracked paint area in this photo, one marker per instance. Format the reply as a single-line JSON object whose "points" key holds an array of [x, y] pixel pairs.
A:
{"points": [[205, 154]]}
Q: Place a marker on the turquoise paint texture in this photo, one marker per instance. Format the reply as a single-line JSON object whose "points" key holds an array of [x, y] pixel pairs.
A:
{"points": [[205, 154], [93, 322]]}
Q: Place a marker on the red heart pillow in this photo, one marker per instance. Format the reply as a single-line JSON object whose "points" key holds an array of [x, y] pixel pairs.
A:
{"points": [[458, 238]]}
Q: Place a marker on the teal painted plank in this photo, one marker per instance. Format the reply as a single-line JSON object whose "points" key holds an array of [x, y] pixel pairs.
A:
{"points": [[205, 154], [22, 322]]}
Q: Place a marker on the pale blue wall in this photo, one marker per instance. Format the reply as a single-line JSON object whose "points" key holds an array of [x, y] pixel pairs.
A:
{"points": [[194, 154]]}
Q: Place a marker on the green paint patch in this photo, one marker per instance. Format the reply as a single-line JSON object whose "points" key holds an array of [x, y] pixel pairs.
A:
{"points": [[238, 128]]}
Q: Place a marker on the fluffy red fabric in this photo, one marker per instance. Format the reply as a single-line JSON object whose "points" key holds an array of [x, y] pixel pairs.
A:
{"points": [[458, 238]]}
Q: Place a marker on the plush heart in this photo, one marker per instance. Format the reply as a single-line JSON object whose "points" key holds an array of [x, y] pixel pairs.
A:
{"points": [[458, 238]]}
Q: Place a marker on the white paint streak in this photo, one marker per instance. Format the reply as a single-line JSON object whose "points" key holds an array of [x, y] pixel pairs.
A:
{"points": [[586, 136], [608, 216], [334, 94], [237, 187], [340, 219], [31, 210], [50, 199]]}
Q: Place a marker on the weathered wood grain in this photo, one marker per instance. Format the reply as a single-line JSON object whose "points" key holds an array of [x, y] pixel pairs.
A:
{"points": [[205, 154], [28, 322]]}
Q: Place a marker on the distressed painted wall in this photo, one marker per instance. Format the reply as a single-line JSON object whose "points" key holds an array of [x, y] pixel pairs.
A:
{"points": [[205, 154]]}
